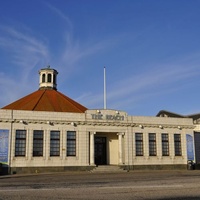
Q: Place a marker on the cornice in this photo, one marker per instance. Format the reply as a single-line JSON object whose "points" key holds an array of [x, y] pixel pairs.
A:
{"points": [[97, 123]]}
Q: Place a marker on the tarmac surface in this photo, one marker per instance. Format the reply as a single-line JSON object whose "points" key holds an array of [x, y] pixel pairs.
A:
{"points": [[134, 185]]}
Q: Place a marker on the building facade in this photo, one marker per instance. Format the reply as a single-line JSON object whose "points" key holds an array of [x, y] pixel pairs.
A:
{"points": [[47, 131]]}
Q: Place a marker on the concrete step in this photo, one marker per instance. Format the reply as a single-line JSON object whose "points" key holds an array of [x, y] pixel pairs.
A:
{"points": [[108, 169]]}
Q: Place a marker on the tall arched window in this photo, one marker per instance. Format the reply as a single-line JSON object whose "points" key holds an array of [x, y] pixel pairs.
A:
{"points": [[43, 78], [49, 78]]}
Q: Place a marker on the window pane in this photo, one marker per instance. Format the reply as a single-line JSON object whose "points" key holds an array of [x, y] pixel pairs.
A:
{"points": [[37, 143], [54, 143], [20, 143], [71, 143], [139, 144]]}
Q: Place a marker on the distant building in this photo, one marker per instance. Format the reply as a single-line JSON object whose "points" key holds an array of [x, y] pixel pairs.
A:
{"points": [[196, 121], [47, 131]]}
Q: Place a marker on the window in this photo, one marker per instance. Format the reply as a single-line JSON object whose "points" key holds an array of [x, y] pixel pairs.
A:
{"points": [[54, 143], [139, 144], [37, 143], [152, 144], [71, 143], [43, 78], [49, 78], [165, 144], [54, 79], [20, 143], [177, 144]]}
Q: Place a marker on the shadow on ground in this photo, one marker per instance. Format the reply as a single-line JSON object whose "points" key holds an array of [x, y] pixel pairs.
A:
{"points": [[181, 198]]}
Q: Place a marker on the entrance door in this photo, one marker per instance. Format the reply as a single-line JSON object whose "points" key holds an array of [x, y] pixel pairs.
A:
{"points": [[100, 150]]}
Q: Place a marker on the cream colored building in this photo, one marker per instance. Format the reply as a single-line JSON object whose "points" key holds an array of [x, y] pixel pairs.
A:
{"points": [[33, 139]]}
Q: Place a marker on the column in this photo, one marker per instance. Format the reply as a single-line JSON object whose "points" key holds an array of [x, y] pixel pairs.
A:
{"points": [[120, 147], [47, 144], [62, 147], [28, 145], [92, 147], [44, 144], [30, 134]]}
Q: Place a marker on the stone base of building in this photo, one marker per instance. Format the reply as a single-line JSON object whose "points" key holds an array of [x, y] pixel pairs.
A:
{"points": [[197, 166], [37, 170], [4, 170], [155, 167]]}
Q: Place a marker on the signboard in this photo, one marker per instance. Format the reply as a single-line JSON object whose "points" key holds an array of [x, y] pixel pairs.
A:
{"points": [[190, 147], [108, 117], [4, 141]]}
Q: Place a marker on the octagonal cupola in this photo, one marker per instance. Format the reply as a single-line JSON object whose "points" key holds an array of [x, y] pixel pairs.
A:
{"points": [[48, 78]]}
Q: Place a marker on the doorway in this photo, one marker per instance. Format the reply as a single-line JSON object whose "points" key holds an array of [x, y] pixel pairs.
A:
{"points": [[100, 150]]}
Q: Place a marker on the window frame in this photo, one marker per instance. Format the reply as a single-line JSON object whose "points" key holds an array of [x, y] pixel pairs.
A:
{"points": [[20, 143], [139, 149], [54, 143], [177, 145], [165, 144], [152, 144], [71, 143], [38, 143]]}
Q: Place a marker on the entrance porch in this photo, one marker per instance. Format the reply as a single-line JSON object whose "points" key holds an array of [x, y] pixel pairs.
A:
{"points": [[106, 148]]}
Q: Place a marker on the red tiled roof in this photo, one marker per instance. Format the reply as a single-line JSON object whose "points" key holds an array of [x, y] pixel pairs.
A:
{"points": [[47, 100]]}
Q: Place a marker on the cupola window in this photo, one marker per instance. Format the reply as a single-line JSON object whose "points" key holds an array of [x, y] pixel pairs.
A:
{"points": [[54, 79], [49, 78], [43, 78]]}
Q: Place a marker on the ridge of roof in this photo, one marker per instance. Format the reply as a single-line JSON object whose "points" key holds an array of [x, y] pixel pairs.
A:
{"points": [[38, 100], [172, 114], [194, 116]]}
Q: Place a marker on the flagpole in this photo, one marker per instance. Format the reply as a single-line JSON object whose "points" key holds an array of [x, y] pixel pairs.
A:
{"points": [[104, 87]]}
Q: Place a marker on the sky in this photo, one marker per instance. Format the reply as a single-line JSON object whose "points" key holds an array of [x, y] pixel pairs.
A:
{"points": [[150, 49]]}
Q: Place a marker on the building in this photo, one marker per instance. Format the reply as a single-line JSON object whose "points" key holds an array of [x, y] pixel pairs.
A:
{"points": [[196, 121], [47, 131]]}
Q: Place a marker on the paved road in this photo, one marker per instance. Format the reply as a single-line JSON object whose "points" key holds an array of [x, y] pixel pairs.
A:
{"points": [[136, 185]]}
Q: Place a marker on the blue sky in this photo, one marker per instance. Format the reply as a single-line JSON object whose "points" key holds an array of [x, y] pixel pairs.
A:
{"points": [[151, 50]]}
